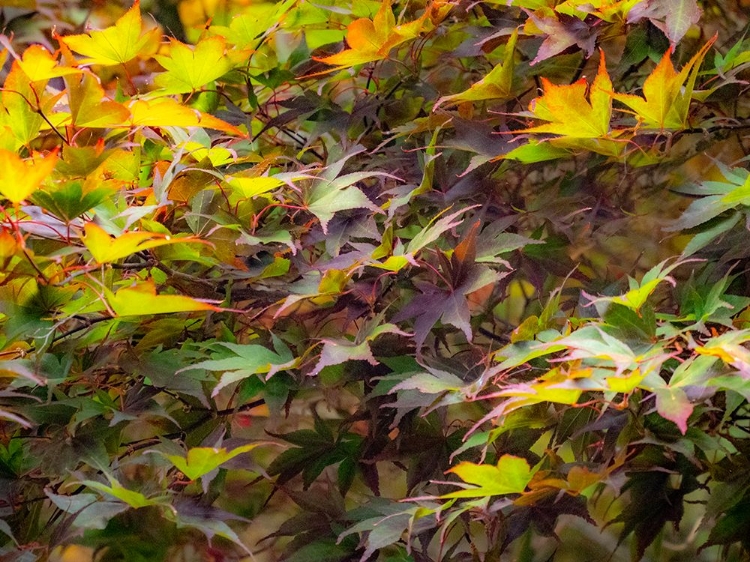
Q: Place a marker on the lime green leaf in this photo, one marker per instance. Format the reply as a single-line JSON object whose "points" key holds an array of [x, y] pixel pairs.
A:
{"points": [[511, 475], [256, 20], [535, 151], [199, 461], [636, 297], [142, 300], [20, 115], [132, 498], [106, 249], [190, 69]]}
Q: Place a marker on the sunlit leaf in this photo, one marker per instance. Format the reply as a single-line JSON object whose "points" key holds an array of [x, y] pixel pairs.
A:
{"points": [[20, 178], [666, 93], [511, 475], [106, 248], [39, 64], [118, 44], [22, 100], [189, 69], [568, 111], [89, 106], [141, 300], [253, 186], [166, 112], [372, 39]]}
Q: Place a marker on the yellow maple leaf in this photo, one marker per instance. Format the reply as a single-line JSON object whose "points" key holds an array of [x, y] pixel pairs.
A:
{"points": [[166, 112], [24, 102], [39, 64], [89, 106], [567, 111], [188, 69], [117, 44], [20, 178], [666, 93]]}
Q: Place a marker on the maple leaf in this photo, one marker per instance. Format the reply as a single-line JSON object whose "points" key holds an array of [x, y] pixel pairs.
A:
{"points": [[582, 122], [371, 40], [329, 194], [117, 44], [666, 93], [106, 249], [166, 112], [23, 101], [190, 69], [337, 351], [510, 475], [655, 500], [606, 10], [497, 84], [20, 178], [561, 32], [142, 299], [569, 113], [39, 64], [88, 106], [673, 17], [199, 461], [450, 305], [257, 20]]}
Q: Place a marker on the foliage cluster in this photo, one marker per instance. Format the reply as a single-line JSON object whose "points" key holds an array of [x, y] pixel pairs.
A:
{"points": [[374, 280]]}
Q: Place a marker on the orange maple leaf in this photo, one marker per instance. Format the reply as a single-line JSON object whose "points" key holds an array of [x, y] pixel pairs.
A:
{"points": [[371, 40]]}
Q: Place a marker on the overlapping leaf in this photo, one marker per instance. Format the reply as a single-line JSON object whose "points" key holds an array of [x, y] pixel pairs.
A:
{"points": [[496, 85]]}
